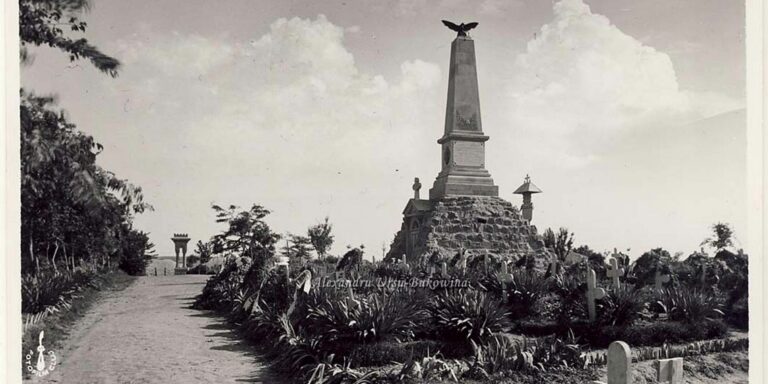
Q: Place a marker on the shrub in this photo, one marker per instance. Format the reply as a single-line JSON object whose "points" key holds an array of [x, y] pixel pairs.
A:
{"points": [[378, 317], [469, 315], [622, 306], [689, 305], [524, 292]]}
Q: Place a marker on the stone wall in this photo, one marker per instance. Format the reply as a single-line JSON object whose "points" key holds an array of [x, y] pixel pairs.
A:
{"points": [[480, 225]]}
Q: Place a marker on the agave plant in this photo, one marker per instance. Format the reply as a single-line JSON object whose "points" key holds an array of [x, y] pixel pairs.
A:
{"points": [[470, 315], [623, 306], [525, 290], [378, 317], [327, 372], [689, 305]]}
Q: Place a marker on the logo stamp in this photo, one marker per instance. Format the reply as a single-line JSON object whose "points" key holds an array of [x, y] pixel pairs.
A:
{"points": [[40, 368]]}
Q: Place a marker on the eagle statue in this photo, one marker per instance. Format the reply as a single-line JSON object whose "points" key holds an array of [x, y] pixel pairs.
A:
{"points": [[462, 28]]}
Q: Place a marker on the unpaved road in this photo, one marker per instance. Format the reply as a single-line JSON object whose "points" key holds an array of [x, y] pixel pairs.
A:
{"points": [[148, 333]]}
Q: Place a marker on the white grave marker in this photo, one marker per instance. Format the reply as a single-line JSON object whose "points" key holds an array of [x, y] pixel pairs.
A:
{"points": [[614, 272], [670, 370], [593, 293]]}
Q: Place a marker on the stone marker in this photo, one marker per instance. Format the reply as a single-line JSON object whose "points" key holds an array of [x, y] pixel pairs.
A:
{"points": [[704, 273], [504, 277], [431, 271], [659, 280], [614, 272], [593, 293], [485, 262], [405, 260], [619, 363], [670, 370], [445, 269]]}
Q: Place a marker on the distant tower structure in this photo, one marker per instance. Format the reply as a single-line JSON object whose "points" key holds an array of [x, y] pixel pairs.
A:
{"points": [[180, 241], [527, 189]]}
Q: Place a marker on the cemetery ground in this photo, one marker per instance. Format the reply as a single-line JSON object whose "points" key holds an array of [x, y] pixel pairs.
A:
{"points": [[147, 333]]}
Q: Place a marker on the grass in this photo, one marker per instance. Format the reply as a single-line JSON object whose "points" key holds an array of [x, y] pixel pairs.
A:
{"points": [[58, 325]]}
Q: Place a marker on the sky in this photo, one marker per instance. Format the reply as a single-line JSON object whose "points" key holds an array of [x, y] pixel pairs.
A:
{"points": [[628, 115]]}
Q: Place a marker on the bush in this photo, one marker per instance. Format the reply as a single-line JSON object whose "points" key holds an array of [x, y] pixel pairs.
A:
{"points": [[469, 315], [378, 317], [524, 292], [689, 305], [386, 352], [600, 336], [622, 306]]}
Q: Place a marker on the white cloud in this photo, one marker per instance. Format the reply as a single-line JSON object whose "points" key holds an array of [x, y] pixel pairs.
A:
{"points": [[290, 105], [583, 81]]}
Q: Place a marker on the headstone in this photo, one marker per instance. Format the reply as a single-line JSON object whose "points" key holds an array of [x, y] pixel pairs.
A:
{"points": [[659, 280], [614, 272], [405, 261], [670, 370], [619, 363], [444, 269], [485, 263], [593, 293]]}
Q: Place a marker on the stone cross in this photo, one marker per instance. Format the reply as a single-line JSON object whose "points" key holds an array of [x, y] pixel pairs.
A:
{"points": [[614, 272], [444, 269], [416, 188], [504, 277], [593, 293], [404, 260], [670, 370], [659, 280]]}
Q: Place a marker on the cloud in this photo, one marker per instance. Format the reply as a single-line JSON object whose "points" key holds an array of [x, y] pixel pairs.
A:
{"points": [[582, 82], [288, 105]]}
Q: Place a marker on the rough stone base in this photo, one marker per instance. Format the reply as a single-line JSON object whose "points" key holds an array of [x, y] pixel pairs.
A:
{"points": [[478, 224]]}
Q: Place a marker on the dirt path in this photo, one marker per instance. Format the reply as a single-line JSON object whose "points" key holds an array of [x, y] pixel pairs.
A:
{"points": [[148, 334]]}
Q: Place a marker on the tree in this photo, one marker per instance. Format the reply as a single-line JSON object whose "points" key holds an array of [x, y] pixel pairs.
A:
{"points": [[596, 260], [645, 267], [203, 251], [40, 23], [247, 233], [320, 237], [560, 243], [723, 237]]}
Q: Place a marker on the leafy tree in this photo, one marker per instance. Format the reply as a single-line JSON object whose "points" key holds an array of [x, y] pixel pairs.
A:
{"points": [[203, 251], [192, 260], [320, 237], [595, 259], [71, 209], [645, 267], [560, 243], [247, 233], [41, 23], [722, 239]]}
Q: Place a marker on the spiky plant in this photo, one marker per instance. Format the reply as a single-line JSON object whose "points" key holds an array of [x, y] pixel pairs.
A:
{"points": [[622, 306], [470, 315], [377, 317], [689, 305]]}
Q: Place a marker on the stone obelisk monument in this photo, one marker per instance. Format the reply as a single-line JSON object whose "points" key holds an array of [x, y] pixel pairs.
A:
{"points": [[464, 217], [463, 142]]}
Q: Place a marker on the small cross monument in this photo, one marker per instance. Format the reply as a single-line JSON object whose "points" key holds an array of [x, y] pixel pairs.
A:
{"points": [[416, 188], [593, 293], [614, 272]]}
